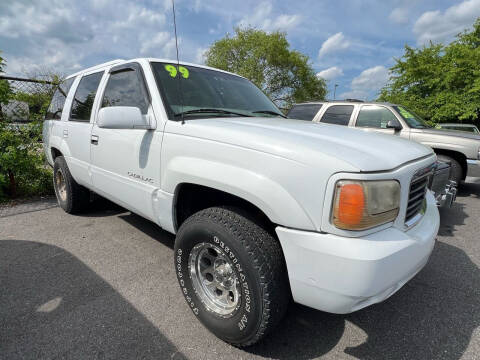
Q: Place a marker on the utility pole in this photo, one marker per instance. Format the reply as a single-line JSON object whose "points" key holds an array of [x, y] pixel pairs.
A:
{"points": [[335, 91]]}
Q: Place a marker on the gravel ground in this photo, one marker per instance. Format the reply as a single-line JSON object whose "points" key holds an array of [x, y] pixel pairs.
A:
{"points": [[102, 285]]}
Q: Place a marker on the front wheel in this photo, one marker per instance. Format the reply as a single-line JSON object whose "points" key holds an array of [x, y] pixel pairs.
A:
{"points": [[456, 171], [232, 275]]}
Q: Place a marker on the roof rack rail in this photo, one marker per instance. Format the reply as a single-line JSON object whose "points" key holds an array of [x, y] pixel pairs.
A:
{"points": [[354, 100]]}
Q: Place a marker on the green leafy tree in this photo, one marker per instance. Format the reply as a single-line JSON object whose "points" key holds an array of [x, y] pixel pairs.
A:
{"points": [[439, 82], [21, 162], [5, 91], [285, 75]]}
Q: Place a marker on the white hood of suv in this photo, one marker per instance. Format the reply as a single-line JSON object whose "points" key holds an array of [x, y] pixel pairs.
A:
{"points": [[307, 142]]}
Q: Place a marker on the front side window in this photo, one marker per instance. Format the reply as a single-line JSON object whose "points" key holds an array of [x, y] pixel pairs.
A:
{"points": [[304, 112], [374, 116], [124, 88], [194, 92], [338, 115], [84, 97], [55, 109]]}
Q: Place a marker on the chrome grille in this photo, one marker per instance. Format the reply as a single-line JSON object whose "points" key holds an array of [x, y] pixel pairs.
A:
{"points": [[418, 190]]}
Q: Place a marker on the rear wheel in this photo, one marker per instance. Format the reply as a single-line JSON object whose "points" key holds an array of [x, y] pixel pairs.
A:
{"points": [[71, 196], [456, 171], [232, 275]]}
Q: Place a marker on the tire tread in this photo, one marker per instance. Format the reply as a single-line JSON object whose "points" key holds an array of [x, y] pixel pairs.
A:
{"points": [[267, 258]]}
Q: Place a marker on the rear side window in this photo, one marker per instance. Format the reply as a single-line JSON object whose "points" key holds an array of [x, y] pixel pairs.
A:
{"points": [[304, 112], [125, 89], [55, 109], [338, 115], [374, 116], [84, 97]]}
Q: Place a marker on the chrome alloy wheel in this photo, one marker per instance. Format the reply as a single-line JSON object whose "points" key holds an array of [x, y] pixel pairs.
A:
{"points": [[60, 185], [214, 279]]}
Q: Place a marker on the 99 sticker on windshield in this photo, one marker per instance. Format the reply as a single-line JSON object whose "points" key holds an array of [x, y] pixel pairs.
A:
{"points": [[172, 70]]}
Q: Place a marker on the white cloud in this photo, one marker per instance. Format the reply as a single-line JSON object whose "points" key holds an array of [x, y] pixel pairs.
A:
{"points": [[160, 45], [371, 78], [334, 43], [286, 22], [368, 83], [61, 36], [440, 26], [399, 15], [330, 73], [261, 17], [200, 55]]}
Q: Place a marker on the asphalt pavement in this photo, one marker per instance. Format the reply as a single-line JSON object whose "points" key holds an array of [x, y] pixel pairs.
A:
{"points": [[101, 285]]}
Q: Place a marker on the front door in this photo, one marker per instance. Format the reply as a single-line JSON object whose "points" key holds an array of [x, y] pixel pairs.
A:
{"points": [[126, 162], [376, 118]]}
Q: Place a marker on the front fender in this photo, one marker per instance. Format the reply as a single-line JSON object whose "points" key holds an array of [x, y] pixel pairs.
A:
{"points": [[259, 189]]}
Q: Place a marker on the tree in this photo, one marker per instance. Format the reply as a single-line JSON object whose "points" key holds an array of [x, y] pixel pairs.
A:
{"points": [[285, 75], [5, 90], [439, 82]]}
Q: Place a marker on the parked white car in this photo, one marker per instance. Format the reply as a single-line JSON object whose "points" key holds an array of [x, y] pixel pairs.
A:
{"points": [[264, 208]]}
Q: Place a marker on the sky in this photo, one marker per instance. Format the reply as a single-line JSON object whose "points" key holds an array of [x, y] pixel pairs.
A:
{"points": [[349, 43]]}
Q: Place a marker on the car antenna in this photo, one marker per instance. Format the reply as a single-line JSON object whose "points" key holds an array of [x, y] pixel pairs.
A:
{"points": [[178, 62]]}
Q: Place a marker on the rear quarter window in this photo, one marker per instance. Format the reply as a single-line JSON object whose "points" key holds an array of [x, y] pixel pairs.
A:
{"points": [[304, 112], [55, 109]]}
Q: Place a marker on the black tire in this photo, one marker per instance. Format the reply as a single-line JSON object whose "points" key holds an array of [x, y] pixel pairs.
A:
{"points": [[73, 198], [456, 171], [259, 268]]}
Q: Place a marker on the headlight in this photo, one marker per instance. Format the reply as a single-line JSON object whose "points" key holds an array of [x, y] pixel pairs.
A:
{"points": [[360, 205]]}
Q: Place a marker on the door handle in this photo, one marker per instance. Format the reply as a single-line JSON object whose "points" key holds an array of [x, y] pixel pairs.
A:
{"points": [[65, 133], [94, 139]]}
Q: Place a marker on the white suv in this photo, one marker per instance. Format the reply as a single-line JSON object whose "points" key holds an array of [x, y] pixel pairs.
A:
{"points": [[264, 208]]}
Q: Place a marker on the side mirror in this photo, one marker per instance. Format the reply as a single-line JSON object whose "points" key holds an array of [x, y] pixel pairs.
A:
{"points": [[394, 124], [122, 117]]}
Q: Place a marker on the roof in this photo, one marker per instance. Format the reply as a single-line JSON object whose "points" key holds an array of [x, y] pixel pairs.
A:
{"points": [[346, 102], [121, 61], [99, 66]]}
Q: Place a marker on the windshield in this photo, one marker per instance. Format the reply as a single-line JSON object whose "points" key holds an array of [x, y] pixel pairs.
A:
{"points": [[193, 92], [412, 119]]}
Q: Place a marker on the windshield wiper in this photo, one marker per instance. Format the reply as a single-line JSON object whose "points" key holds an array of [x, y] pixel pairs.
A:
{"points": [[209, 110], [268, 112]]}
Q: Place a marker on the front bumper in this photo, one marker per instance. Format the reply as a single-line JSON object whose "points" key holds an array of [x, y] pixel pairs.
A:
{"points": [[473, 168], [341, 275]]}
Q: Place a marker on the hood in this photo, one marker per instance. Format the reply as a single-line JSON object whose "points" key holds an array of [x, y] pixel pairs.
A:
{"points": [[456, 133], [308, 142]]}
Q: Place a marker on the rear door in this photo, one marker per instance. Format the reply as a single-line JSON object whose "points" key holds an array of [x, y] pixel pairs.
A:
{"points": [[55, 118], [304, 111], [77, 129], [126, 162], [337, 115]]}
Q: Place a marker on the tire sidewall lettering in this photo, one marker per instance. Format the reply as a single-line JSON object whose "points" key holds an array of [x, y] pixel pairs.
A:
{"points": [[243, 312]]}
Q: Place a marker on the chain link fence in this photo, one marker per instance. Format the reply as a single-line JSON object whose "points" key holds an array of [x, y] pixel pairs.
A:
{"points": [[26, 100]]}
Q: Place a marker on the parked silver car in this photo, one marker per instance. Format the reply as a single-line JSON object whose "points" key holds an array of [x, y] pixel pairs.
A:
{"points": [[461, 149]]}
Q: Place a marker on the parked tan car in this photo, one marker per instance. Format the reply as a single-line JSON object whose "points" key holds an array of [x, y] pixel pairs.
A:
{"points": [[460, 148]]}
